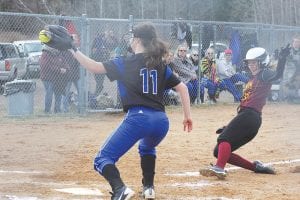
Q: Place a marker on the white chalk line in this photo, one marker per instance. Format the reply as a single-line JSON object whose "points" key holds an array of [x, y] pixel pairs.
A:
{"points": [[98, 193], [13, 197], [204, 198], [20, 172], [201, 183], [81, 191], [183, 174]]}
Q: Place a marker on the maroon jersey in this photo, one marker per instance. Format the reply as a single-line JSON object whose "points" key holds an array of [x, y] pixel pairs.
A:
{"points": [[257, 89], [255, 94]]}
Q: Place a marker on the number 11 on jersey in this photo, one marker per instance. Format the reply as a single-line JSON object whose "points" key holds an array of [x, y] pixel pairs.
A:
{"points": [[144, 72]]}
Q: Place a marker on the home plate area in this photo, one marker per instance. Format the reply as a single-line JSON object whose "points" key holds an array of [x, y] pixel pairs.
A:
{"points": [[95, 191]]}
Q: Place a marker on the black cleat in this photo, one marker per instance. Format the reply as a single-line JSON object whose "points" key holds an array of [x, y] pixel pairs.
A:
{"points": [[262, 169], [124, 193]]}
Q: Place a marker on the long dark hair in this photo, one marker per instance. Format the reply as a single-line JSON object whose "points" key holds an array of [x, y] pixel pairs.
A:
{"points": [[155, 48]]}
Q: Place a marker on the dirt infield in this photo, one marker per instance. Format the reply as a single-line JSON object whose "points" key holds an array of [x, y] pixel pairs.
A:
{"points": [[47, 157]]}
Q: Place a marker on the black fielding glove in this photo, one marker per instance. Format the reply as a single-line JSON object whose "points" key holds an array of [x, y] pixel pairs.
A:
{"points": [[285, 52], [57, 37]]}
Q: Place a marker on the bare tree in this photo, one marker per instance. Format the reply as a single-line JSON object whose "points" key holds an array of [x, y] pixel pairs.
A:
{"points": [[285, 12]]}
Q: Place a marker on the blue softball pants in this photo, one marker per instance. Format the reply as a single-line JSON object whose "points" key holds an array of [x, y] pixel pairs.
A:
{"points": [[143, 124], [192, 86], [209, 84], [229, 84]]}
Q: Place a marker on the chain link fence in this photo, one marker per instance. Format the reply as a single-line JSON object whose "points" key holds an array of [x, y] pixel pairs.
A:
{"points": [[62, 86]]}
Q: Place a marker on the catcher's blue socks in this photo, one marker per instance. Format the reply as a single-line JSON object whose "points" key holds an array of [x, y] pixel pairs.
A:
{"points": [[261, 168], [148, 192], [214, 171], [124, 193]]}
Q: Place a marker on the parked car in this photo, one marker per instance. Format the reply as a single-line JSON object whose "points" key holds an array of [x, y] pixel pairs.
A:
{"points": [[12, 64], [32, 51]]}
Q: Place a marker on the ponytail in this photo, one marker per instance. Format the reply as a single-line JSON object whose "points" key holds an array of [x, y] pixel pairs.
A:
{"points": [[154, 52], [155, 48]]}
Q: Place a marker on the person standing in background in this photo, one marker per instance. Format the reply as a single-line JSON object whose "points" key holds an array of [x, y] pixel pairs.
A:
{"points": [[290, 84], [102, 47], [72, 78], [54, 72], [73, 74]]}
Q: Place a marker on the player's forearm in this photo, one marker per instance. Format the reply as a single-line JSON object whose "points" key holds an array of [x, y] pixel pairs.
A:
{"points": [[280, 68], [185, 99], [88, 63]]}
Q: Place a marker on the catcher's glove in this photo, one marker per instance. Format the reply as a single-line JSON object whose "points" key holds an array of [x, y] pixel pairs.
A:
{"points": [[57, 37]]}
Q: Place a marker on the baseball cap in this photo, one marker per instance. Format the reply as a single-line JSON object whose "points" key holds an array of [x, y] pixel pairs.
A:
{"points": [[228, 51]]}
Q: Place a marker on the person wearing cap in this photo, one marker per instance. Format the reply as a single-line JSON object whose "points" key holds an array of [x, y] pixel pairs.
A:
{"points": [[228, 76], [142, 79]]}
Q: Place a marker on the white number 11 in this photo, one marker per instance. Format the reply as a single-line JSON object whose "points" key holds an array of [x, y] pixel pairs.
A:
{"points": [[153, 76]]}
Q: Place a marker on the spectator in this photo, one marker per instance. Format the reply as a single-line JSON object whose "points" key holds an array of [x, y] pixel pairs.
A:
{"points": [[123, 45], [181, 33], [194, 57], [73, 75], [102, 47], [171, 97], [72, 78], [209, 76], [99, 54], [69, 25], [54, 68], [185, 70], [228, 76], [110, 40], [291, 78]]}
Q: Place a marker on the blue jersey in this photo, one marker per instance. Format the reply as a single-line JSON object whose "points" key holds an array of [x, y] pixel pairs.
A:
{"points": [[139, 85]]}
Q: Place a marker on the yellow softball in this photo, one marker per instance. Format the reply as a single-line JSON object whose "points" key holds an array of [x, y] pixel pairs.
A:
{"points": [[44, 37]]}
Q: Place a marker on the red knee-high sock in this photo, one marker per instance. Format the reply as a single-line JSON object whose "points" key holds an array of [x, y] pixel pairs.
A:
{"points": [[241, 162], [224, 152]]}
